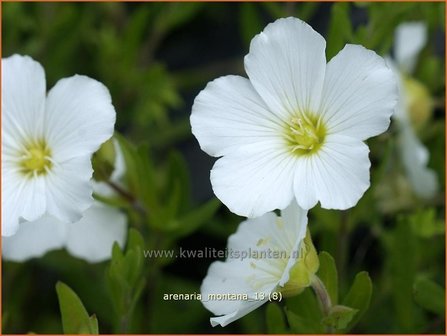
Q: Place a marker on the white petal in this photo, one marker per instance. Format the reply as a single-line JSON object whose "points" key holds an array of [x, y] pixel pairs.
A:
{"points": [[400, 111], [250, 231], [68, 189], [120, 165], [23, 100], [34, 239], [93, 236], [251, 267], [79, 117], [410, 38], [359, 94], [22, 197], [270, 233], [231, 278], [229, 113], [244, 309], [415, 158], [295, 218], [286, 65], [337, 176], [103, 189], [255, 179]]}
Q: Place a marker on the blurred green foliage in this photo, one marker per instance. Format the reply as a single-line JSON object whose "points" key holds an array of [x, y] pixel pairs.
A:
{"points": [[75, 319], [154, 58]]}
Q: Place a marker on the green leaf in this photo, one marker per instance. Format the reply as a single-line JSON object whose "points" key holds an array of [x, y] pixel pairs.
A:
{"points": [[339, 317], [276, 323], [274, 9], [175, 14], [430, 296], [141, 180], [135, 240], [425, 224], [328, 275], [340, 29], [249, 21], [301, 325], [428, 68], [75, 319], [124, 279], [195, 218], [178, 183], [359, 297], [402, 267], [306, 10]]}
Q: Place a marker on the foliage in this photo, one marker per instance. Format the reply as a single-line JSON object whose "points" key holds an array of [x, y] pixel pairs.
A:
{"points": [[75, 319], [383, 265]]}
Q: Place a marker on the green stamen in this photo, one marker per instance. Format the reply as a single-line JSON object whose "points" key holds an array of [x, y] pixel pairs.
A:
{"points": [[36, 159], [305, 134]]}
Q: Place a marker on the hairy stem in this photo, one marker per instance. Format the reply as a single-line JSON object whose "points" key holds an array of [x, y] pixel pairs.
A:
{"points": [[323, 298]]}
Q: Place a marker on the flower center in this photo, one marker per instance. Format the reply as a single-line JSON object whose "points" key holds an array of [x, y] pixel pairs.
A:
{"points": [[36, 159], [305, 134]]}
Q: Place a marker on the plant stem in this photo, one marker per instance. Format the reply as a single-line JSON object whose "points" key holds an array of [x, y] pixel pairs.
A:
{"points": [[323, 299], [323, 296]]}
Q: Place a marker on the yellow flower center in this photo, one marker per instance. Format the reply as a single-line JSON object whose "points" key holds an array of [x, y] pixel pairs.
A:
{"points": [[36, 159], [305, 134]]}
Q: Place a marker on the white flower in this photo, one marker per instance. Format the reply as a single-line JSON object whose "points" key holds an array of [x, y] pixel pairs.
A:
{"points": [[414, 107], [266, 255], [91, 238], [295, 128], [47, 142]]}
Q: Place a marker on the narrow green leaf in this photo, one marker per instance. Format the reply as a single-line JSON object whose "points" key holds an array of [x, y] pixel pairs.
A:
{"points": [[274, 9], [250, 21], [175, 14], [194, 219], [75, 319], [402, 263], [276, 323], [306, 10], [328, 275], [93, 323], [135, 240], [340, 29], [430, 296], [178, 182], [124, 279], [359, 297]]}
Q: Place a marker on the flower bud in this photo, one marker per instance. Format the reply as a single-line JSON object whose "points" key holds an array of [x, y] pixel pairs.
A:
{"points": [[302, 272], [104, 161]]}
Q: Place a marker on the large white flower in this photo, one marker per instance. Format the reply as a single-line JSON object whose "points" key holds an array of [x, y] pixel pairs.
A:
{"points": [[266, 255], [414, 107], [91, 238], [295, 128], [47, 142]]}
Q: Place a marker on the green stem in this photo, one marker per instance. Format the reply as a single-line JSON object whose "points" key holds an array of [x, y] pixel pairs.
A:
{"points": [[323, 298]]}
